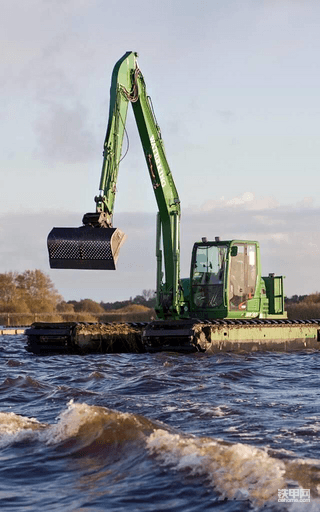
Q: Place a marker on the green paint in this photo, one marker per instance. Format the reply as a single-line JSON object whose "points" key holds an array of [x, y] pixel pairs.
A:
{"points": [[225, 278]]}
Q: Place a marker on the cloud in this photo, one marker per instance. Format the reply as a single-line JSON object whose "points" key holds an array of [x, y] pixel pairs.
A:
{"points": [[266, 220], [226, 115], [289, 239], [64, 135], [246, 201], [250, 79], [23, 246]]}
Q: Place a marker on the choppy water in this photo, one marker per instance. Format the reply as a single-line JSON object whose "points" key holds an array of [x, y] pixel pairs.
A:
{"points": [[157, 432]]}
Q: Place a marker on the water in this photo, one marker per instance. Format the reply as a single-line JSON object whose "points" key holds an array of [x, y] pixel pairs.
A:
{"points": [[159, 432]]}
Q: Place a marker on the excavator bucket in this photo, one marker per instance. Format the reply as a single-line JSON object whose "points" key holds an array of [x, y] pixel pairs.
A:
{"points": [[87, 247]]}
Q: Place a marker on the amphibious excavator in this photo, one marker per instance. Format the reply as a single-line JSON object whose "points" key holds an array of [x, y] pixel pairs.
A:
{"points": [[225, 303]]}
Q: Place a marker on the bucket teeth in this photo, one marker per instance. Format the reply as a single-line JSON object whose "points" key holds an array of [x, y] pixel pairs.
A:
{"points": [[85, 247]]}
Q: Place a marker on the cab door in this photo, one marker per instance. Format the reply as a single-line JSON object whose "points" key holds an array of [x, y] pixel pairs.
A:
{"points": [[207, 276], [242, 275]]}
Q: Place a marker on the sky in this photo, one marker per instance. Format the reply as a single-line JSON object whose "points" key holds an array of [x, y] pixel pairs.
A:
{"points": [[234, 84]]}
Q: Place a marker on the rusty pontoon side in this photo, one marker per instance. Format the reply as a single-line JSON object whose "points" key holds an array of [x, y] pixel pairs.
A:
{"points": [[84, 337], [175, 336]]}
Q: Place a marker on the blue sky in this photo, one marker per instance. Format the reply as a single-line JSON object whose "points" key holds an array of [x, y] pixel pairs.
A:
{"points": [[235, 89]]}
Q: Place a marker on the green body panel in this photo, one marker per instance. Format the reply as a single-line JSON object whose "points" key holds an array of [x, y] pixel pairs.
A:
{"points": [[274, 289], [235, 289], [264, 299], [235, 338]]}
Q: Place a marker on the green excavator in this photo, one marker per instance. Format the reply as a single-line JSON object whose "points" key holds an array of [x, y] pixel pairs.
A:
{"points": [[225, 279], [225, 299]]}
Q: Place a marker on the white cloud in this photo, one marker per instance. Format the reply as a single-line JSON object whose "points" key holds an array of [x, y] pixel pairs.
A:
{"points": [[234, 85], [64, 135], [280, 238], [246, 201], [268, 221], [292, 251]]}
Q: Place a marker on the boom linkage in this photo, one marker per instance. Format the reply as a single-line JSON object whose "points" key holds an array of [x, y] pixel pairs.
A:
{"points": [[128, 85]]}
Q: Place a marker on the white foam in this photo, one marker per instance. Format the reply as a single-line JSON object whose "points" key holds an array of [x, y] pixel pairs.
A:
{"points": [[220, 410], [14, 428], [237, 471], [79, 417], [11, 423]]}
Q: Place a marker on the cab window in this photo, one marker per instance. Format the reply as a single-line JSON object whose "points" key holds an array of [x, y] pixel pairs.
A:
{"points": [[208, 276], [242, 276]]}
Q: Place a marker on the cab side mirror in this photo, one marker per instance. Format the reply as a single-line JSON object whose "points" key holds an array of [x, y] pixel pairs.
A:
{"points": [[234, 250]]}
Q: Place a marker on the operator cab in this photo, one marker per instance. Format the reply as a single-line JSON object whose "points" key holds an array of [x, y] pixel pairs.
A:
{"points": [[208, 275], [223, 275]]}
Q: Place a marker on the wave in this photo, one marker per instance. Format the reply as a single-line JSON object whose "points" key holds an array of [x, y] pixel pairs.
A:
{"points": [[236, 471], [23, 382], [15, 428], [87, 424], [12, 424]]}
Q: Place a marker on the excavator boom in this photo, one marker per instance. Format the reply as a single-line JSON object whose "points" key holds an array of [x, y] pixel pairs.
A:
{"points": [[96, 244]]}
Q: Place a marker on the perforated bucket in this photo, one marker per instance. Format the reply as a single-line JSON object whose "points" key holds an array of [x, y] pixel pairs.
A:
{"points": [[85, 247]]}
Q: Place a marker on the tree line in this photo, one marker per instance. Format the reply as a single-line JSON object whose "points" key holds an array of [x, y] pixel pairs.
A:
{"points": [[31, 296], [146, 299], [29, 292]]}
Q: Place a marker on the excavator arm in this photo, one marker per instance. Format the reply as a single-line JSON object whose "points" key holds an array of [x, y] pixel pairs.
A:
{"points": [[96, 244], [122, 91]]}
